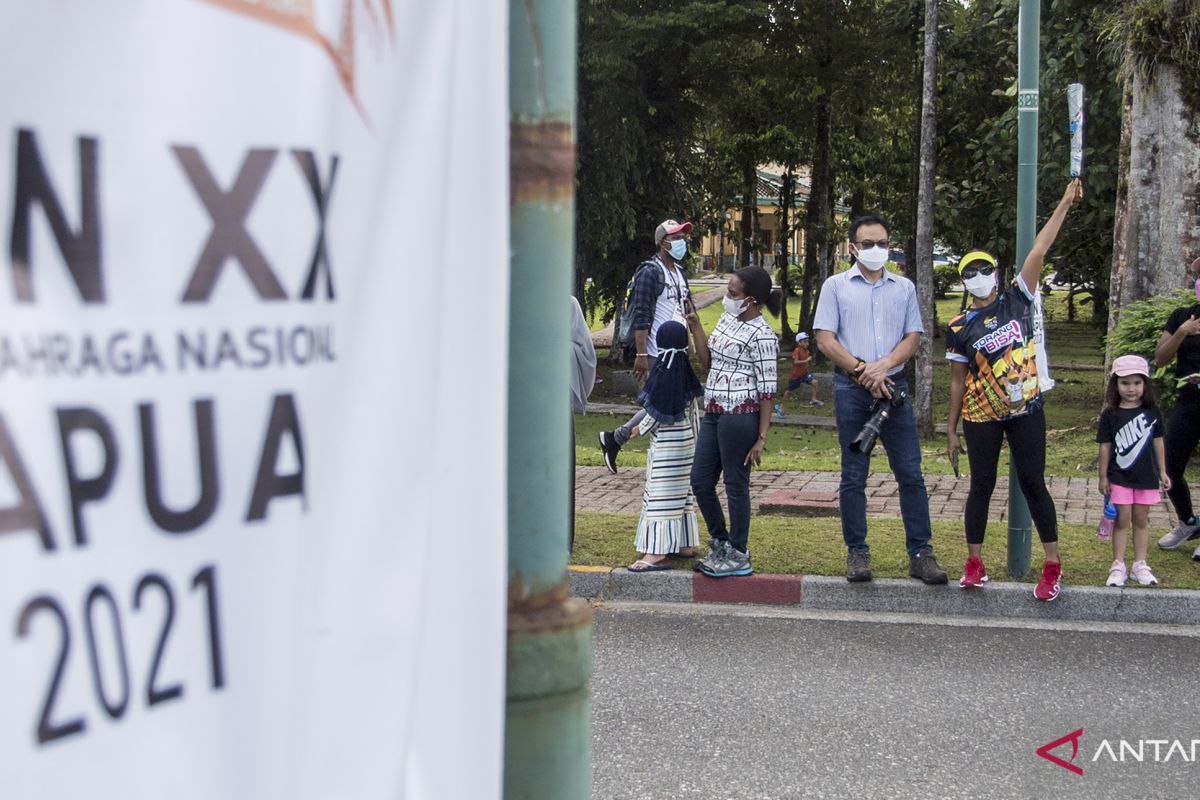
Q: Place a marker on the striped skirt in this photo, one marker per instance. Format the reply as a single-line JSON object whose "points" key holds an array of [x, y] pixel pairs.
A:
{"points": [[668, 520]]}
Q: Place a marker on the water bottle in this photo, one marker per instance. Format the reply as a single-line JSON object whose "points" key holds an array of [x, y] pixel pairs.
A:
{"points": [[1104, 531]]}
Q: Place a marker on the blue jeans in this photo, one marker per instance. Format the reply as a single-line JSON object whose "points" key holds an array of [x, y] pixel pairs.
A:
{"points": [[721, 447], [851, 408]]}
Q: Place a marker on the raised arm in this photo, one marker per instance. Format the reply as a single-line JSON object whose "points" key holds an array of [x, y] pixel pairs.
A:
{"points": [[1031, 270], [699, 337]]}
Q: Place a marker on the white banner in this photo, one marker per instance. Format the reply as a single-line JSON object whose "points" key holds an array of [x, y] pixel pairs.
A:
{"points": [[252, 366]]}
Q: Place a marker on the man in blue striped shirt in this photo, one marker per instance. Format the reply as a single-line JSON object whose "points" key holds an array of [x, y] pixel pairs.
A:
{"points": [[868, 323]]}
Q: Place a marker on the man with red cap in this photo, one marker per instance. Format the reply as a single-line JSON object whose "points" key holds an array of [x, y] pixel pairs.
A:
{"points": [[660, 294]]}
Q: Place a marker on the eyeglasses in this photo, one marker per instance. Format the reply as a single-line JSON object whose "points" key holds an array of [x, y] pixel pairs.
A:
{"points": [[867, 244], [971, 272]]}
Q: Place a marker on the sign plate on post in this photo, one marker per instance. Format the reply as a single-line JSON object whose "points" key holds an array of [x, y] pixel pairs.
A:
{"points": [[241, 448]]}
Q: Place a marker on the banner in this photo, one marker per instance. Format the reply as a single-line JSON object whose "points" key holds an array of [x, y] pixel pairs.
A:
{"points": [[253, 354]]}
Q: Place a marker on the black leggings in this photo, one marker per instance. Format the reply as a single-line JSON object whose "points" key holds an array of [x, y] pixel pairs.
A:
{"points": [[1183, 434], [1027, 449]]}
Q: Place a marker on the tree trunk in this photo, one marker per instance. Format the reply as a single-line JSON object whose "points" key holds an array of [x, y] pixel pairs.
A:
{"points": [[922, 259], [787, 196], [749, 209], [1157, 226], [816, 236]]}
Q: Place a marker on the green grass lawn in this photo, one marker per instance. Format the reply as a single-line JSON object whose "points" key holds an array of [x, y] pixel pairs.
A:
{"points": [[805, 546]]}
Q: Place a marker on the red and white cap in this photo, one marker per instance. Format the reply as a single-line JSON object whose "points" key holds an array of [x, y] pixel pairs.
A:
{"points": [[1131, 365], [670, 227]]}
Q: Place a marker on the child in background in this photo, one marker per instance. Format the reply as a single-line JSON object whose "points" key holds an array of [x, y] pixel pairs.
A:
{"points": [[1133, 467], [800, 373], [667, 525]]}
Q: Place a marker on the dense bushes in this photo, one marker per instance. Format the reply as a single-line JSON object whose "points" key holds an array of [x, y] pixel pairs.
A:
{"points": [[1138, 331]]}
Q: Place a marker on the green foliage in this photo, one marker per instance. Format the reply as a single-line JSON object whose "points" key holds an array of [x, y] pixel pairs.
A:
{"points": [[1138, 331], [646, 150], [944, 276], [977, 127], [681, 100], [1147, 33]]}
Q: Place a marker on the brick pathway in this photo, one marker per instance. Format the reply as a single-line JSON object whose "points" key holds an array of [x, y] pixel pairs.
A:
{"points": [[1077, 499]]}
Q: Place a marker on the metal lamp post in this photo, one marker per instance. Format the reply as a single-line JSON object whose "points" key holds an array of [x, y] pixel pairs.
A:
{"points": [[1020, 526]]}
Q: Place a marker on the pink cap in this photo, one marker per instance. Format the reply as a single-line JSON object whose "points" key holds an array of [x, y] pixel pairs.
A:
{"points": [[670, 227], [1130, 365]]}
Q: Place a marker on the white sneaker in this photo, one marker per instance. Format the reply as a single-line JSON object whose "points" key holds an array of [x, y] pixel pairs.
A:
{"points": [[1143, 575], [1182, 533], [1196, 554], [1117, 574]]}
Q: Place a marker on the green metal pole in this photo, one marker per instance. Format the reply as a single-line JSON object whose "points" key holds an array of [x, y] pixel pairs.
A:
{"points": [[547, 740], [1020, 526]]}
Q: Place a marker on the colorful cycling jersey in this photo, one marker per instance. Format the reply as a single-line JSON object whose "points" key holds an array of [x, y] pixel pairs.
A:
{"points": [[997, 345]]}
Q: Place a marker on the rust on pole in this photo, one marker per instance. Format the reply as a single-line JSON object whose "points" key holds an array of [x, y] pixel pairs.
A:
{"points": [[547, 741]]}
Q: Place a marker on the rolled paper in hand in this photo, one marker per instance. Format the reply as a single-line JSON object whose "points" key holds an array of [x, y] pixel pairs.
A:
{"points": [[1075, 111]]}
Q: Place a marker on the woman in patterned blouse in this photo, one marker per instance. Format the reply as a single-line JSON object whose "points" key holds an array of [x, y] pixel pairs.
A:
{"points": [[743, 351]]}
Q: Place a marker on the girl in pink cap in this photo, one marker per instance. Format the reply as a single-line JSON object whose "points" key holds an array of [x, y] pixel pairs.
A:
{"points": [[1133, 467]]}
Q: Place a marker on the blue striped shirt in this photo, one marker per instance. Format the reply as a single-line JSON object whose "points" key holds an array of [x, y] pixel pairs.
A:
{"points": [[869, 319]]}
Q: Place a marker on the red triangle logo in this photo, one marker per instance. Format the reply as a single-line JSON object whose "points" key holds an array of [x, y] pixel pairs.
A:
{"points": [[1073, 738]]}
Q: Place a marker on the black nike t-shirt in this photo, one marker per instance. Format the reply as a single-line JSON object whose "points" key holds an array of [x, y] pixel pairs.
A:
{"points": [[1187, 360], [1131, 432]]}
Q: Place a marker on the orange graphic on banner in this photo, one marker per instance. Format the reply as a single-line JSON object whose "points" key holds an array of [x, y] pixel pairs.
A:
{"points": [[299, 17]]}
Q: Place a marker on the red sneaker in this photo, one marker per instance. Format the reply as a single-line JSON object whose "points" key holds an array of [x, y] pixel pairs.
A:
{"points": [[1048, 588], [974, 574]]}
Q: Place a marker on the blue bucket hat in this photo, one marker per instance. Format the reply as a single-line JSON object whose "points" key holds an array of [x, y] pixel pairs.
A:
{"points": [[672, 383]]}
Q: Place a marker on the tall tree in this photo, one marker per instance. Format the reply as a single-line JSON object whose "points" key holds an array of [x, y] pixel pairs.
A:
{"points": [[645, 78], [1157, 231], [921, 259]]}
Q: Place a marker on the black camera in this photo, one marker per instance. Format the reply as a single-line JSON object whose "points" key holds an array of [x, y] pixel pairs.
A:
{"points": [[882, 409]]}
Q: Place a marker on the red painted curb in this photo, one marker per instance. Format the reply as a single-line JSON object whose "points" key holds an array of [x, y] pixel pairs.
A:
{"points": [[780, 590]]}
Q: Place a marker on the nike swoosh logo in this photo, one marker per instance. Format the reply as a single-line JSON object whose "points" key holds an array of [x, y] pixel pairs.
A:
{"points": [[1124, 460]]}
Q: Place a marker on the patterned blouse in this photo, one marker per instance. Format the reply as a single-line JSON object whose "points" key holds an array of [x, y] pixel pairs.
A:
{"points": [[743, 371]]}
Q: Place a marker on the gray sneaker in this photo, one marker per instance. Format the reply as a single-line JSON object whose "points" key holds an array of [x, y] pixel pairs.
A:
{"points": [[716, 551], [924, 566], [1182, 533], [858, 566], [732, 562]]}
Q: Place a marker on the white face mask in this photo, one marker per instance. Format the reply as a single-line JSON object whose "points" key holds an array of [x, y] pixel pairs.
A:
{"points": [[734, 307], [981, 285], [678, 249], [873, 258]]}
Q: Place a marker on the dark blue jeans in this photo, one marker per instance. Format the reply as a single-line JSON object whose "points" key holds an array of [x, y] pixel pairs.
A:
{"points": [[721, 447], [851, 408]]}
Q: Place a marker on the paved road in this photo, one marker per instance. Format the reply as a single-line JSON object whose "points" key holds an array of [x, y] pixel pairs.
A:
{"points": [[734, 702]]}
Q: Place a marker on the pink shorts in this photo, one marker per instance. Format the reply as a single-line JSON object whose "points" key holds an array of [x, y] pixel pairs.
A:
{"points": [[1124, 496]]}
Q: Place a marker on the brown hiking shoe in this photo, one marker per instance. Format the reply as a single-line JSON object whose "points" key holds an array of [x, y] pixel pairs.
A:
{"points": [[925, 567], [858, 566]]}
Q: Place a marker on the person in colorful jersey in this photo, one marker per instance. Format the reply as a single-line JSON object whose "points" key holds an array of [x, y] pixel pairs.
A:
{"points": [[994, 389]]}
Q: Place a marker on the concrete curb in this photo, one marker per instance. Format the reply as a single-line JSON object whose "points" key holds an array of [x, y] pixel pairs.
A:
{"points": [[890, 595]]}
